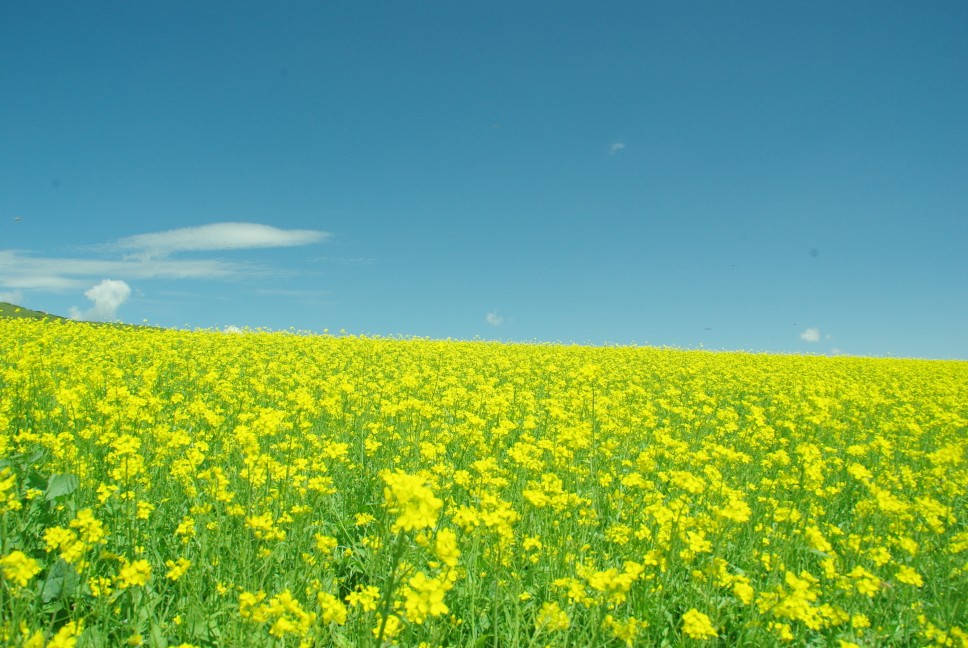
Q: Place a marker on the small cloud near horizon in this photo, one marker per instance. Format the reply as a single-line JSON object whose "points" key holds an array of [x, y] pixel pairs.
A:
{"points": [[11, 297], [615, 148], [811, 335], [107, 297], [494, 319]]}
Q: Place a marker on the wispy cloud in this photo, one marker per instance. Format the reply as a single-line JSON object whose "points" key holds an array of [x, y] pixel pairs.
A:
{"points": [[615, 148], [345, 261], [494, 319], [288, 292], [152, 256], [217, 236], [25, 272], [11, 296], [107, 297], [811, 335]]}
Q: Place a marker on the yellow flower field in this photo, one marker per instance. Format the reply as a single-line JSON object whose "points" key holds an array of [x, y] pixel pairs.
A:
{"points": [[174, 488]]}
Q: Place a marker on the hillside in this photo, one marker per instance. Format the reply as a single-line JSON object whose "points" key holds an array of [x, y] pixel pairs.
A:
{"points": [[12, 310]]}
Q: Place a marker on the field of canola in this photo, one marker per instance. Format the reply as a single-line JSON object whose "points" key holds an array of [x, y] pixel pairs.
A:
{"points": [[175, 488]]}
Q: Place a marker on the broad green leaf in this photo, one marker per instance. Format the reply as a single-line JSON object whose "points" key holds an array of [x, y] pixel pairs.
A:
{"points": [[61, 581], [60, 485]]}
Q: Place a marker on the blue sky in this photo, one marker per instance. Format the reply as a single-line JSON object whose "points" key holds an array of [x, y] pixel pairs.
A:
{"points": [[783, 177]]}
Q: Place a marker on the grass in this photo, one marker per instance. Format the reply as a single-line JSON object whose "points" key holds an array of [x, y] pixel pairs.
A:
{"points": [[12, 310]]}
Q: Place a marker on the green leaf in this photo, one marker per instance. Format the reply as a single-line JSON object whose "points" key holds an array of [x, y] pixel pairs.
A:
{"points": [[36, 457], [36, 480], [158, 638], [60, 485], [481, 641], [61, 581]]}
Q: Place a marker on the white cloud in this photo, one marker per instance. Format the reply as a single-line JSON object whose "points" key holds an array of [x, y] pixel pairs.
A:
{"points": [[22, 271], [11, 296], [494, 319], [149, 257], [811, 335], [107, 297], [217, 236], [615, 148], [232, 328]]}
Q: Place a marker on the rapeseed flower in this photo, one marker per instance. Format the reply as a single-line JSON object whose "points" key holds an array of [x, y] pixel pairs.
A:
{"points": [[551, 618], [32, 640], [816, 539], [365, 597], [697, 625], [325, 544], [283, 612], [264, 527], [424, 597], [185, 529], [387, 627], [289, 616], [865, 582], [67, 636], [909, 576], [626, 630], [362, 519], [614, 584], [133, 574], [66, 542], [249, 606], [100, 586], [9, 501], [333, 610], [19, 568], [177, 569], [92, 531], [788, 491], [408, 498], [445, 547]]}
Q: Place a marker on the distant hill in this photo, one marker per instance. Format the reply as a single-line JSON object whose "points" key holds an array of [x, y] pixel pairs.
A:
{"points": [[12, 310]]}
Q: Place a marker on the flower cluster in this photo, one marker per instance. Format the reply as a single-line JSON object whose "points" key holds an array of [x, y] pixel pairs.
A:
{"points": [[265, 489]]}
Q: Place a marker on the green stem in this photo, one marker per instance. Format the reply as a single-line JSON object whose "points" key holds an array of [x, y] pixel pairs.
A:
{"points": [[388, 589]]}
